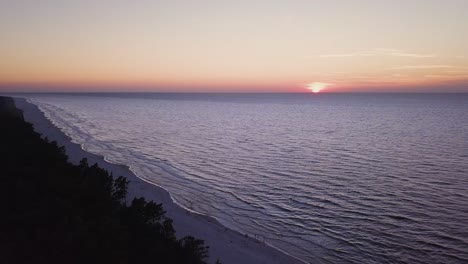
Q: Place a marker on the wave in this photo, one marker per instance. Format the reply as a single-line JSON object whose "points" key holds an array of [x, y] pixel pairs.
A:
{"points": [[300, 182]]}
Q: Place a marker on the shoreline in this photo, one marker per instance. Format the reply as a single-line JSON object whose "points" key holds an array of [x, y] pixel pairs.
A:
{"points": [[227, 245]]}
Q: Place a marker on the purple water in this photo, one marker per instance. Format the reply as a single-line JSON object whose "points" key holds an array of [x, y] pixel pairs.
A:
{"points": [[329, 178]]}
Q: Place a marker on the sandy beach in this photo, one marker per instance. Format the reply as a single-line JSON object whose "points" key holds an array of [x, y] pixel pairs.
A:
{"points": [[226, 245]]}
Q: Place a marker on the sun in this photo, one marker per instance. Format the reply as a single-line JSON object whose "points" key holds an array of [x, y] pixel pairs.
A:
{"points": [[316, 87]]}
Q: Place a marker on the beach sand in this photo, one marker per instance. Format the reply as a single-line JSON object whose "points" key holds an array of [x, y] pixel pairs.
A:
{"points": [[229, 246]]}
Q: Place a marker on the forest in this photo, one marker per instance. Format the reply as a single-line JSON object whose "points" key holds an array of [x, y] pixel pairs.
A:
{"points": [[57, 212]]}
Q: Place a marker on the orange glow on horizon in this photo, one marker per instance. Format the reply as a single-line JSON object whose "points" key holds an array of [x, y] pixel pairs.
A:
{"points": [[206, 86]]}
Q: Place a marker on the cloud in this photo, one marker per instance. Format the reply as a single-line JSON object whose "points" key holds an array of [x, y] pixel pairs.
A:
{"points": [[437, 76], [399, 75], [345, 55], [378, 52], [457, 71], [412, 55], [421, 67]]}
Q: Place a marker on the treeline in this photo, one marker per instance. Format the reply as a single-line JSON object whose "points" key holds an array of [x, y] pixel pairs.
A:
{"points": [[56, 212]]}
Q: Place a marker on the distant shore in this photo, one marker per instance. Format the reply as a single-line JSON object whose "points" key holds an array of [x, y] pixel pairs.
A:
{"points": [[226, 245]]}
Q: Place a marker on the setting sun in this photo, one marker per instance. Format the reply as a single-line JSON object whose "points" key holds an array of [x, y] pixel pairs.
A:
{"points": [[317, 87]]}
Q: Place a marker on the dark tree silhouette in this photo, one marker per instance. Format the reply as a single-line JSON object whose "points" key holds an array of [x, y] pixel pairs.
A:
{"points": [[56, 212]]}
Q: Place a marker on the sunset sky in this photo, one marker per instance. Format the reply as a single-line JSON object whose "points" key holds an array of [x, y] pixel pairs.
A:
{"points": [[234, 46]]}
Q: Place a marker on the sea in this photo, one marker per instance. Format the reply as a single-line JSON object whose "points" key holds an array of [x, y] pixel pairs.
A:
{"points": [[327, 178]]}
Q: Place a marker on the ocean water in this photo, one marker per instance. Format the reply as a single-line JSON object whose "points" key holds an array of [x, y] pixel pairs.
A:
{"points": [[328, 178]]}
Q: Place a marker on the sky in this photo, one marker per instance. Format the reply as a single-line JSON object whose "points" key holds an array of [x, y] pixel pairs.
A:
{"points": [[234, 46]]}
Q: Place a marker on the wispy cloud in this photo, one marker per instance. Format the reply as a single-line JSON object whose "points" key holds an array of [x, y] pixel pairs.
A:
{"points": [[421, 67], [445, 76], [345, 55], [378, 52], [399, 75], [457, 71], [412, 55]]}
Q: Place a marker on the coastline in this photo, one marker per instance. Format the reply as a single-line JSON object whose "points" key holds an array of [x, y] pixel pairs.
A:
{"points": [[227, 245]]}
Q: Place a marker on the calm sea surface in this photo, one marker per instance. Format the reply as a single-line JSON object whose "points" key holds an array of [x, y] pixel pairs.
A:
{"points": [[329, 178]]}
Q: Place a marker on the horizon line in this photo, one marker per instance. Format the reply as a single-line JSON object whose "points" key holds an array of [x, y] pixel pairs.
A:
{"points": [[232, 92]]}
